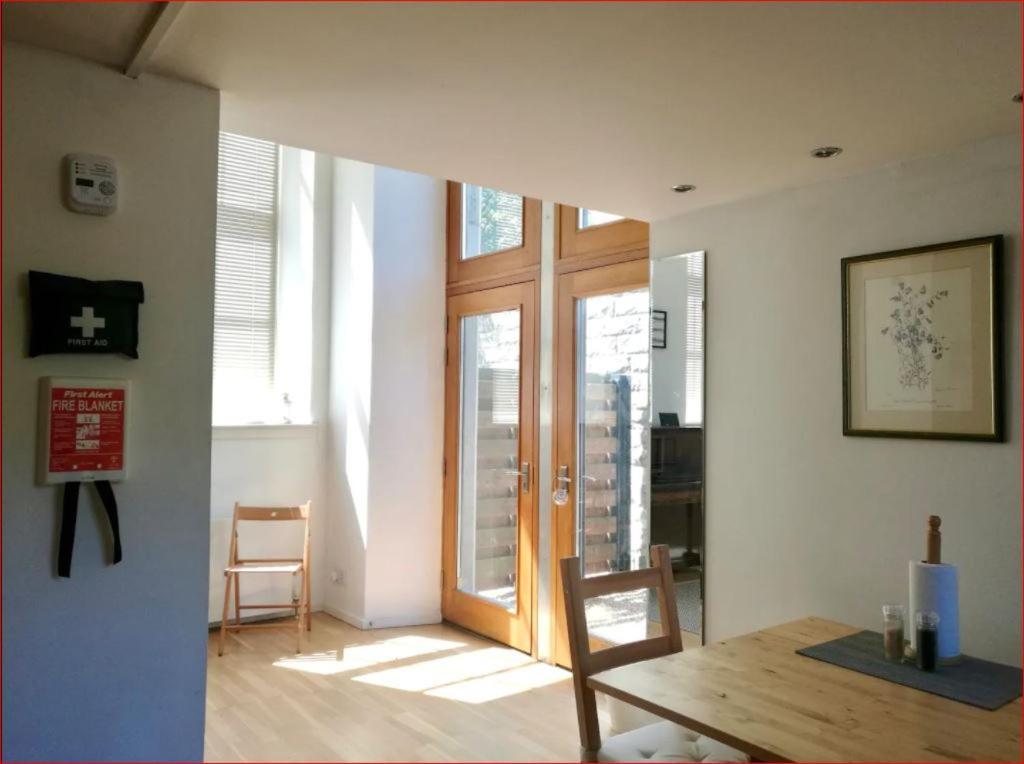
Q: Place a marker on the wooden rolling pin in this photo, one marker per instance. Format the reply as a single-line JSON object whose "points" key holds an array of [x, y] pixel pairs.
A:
{"points": [[934, 556]]}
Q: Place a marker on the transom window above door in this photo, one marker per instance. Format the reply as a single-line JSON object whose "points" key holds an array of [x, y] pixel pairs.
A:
{"points": [[492, 234], [492, 221], [591, 218], [588, 233]]}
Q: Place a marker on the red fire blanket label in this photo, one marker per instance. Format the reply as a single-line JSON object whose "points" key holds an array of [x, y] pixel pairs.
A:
{"points": [[86, 429]]}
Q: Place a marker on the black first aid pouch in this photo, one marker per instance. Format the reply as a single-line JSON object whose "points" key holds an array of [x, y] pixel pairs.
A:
{"points": [[73, 315]]}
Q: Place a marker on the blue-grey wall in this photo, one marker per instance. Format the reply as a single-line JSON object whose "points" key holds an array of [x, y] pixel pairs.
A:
{"points": [[110, 664]]}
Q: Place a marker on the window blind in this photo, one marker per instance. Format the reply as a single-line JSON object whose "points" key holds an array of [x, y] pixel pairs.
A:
{"points": [[246, 265], [694, 406]]}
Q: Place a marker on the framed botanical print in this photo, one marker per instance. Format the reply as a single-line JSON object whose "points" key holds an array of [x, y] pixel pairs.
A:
{"points": [[922, 351], [659, 329]]}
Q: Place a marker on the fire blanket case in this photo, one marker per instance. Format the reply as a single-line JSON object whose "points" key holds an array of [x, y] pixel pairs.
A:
{"points": [[83, 427]]}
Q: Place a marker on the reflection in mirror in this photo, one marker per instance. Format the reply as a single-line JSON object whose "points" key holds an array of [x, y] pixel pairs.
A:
{"points": [[677, 429]]}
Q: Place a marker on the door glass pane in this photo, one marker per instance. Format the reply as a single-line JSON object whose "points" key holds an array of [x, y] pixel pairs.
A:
{"points": [[489, 457], [492, 221], [590, 218], [612, 521]]}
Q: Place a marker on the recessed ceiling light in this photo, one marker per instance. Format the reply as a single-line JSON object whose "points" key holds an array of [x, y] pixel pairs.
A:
{"points": [[826, 152], [683, 188], [1018, 98]]}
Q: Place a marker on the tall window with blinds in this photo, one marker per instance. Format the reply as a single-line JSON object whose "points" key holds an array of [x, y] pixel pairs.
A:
{"points": [[246, 278]]}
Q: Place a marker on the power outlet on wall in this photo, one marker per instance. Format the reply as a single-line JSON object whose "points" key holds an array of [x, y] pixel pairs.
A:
{"points": [[337, 576]]}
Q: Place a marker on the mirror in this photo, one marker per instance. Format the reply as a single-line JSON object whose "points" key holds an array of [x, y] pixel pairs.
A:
{"points": [[677, 429]]}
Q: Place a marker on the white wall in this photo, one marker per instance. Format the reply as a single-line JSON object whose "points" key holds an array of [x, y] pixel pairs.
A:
{"points": [[403, 583], [283, 464], [110, 664], [265, 466], [801, 520], [349, 382], [386, 398]]}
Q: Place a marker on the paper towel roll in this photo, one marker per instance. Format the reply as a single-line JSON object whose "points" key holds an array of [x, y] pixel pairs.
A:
{"points": [[936, 587]]}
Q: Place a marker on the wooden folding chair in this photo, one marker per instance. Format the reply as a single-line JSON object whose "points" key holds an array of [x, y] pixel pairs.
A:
{"points": [[662, 741], [293, 566]]}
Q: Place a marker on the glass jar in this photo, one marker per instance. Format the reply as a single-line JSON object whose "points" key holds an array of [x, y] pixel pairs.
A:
{"points": [[892, 632], [927, 622]]}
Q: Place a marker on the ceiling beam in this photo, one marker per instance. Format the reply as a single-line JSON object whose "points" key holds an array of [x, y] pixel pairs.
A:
{"points": [[151, 38]]}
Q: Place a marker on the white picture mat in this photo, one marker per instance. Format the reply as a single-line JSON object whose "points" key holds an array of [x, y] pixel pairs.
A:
{"points": [[958, 395], [928, 375]]}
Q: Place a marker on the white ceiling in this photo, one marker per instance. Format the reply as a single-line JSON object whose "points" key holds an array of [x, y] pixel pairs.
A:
{"points": [[104, 32], [604, 105]]}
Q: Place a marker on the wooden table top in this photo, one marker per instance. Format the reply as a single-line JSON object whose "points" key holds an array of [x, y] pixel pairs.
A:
{"points": [[756, 694]]}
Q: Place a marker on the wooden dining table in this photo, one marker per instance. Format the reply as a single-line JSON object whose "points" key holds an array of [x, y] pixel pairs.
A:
{"points": [[755, 693]]}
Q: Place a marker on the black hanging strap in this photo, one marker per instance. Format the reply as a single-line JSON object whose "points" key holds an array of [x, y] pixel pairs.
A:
{"points": [[110, 504], [69, 519]]}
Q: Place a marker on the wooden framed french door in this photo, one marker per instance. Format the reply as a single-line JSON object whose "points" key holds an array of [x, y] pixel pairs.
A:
{"points": [[601, 353], [489, 529]]}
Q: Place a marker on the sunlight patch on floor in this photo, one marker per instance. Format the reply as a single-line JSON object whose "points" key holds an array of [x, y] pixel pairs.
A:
{"points": [[473, 676], [424, 693], [502, 684], [355, 657], [429, 674]]}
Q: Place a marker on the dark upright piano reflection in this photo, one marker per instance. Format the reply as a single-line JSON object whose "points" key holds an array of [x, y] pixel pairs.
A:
{"points": [[677, 517]]}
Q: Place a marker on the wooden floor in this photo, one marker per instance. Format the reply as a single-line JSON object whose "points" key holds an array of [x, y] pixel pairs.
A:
{"points": [[432, 693]]}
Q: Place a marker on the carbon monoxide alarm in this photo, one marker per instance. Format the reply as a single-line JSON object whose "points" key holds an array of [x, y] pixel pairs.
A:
{"points": [[91, 184]]}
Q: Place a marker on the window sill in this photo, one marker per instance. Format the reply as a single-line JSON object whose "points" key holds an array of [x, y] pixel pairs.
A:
{"points": [[265, 431]]}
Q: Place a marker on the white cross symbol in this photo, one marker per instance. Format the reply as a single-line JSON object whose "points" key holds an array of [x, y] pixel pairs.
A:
{"points": [[88, 322]]}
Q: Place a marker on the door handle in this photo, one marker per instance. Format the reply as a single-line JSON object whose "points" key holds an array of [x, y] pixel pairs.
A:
{"points": [[563, 478], [562, 482], [524, 476]]}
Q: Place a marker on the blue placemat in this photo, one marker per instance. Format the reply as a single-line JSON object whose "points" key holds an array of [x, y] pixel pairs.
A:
{"points": [[973, 681]]}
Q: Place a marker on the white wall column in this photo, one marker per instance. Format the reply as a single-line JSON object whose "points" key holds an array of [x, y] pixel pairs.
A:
{"points": [[386, 397]]}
